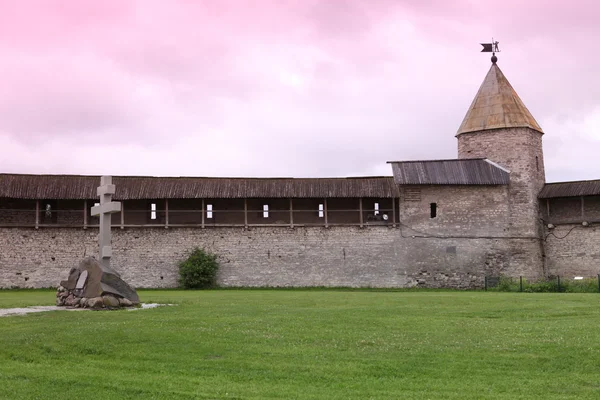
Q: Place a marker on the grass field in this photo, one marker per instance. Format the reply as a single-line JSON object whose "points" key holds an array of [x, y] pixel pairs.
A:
{"points": [[312, 344]]}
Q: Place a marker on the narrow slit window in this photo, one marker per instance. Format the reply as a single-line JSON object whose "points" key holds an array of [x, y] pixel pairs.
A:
{"points": [[376, 207], [209, 211], [537, 163], [153, 211], [433, 210], [266, 211], [321, 211]]}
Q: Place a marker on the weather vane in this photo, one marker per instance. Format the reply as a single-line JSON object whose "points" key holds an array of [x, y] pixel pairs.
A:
{"points": [[491, 48]]}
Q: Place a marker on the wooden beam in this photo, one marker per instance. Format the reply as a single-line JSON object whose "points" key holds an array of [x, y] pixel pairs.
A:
{"points": [[291, 213], [85, 212], [202, 214], [37, 214], [245, 212], [325, 212], [122, 215], [166, 213], [393, 212], [399, 211], [360, 210]]}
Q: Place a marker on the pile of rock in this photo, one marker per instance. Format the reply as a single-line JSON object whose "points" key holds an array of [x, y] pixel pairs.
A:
{"points": [[91, 285], [68, 298]]}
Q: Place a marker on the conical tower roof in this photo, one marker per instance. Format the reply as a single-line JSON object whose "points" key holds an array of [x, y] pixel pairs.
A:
{"points": [[496, 106]]}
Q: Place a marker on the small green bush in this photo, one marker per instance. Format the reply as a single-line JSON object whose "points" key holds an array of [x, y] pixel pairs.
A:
{"points": [[199, 270]]}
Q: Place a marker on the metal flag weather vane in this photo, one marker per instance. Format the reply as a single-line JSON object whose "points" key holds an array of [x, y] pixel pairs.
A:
{"points": [[491, 48]]}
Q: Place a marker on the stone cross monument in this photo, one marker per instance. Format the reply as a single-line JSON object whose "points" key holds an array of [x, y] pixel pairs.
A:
{"points": [[93, 284], [104, 211]]}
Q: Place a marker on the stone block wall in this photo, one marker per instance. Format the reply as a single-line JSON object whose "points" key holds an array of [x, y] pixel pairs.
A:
{"points": [[270, 256], [473, 211], [573, 250], [520, 151]]}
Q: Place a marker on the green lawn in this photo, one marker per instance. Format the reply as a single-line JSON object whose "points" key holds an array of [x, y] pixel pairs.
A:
{"points": [[313, 344]]}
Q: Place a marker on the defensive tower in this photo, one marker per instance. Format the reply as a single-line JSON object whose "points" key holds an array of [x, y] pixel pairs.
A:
{"points": [[499, 127]]}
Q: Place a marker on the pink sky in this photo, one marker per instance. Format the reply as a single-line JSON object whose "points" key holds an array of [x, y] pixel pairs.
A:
{"points": [[283, 88]]}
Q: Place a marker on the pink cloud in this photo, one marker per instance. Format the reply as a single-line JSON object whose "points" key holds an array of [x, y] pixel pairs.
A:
{"points": [[301, 87]]}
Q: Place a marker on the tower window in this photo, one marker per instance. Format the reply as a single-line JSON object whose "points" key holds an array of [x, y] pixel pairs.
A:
{"points": [[321, 211], [433, 210], [537, 163], [266, 211], [153, 211], [209, 211], [376, 208]]}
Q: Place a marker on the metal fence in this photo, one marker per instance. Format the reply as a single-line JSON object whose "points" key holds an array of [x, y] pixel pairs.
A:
{"points": [[554, 284]]}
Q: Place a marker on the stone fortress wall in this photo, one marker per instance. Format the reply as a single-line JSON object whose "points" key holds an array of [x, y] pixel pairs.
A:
{"points": [[277, 257]]}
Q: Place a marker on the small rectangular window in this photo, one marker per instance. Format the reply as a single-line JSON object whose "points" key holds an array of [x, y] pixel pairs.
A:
{"points": [[266, 211], [153, 211], [209, 211], [433, 210], [376, 209], [321, 211]]}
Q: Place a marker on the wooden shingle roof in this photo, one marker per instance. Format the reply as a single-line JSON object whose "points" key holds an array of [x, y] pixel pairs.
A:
{"points": [[474, 171], [570, 189], [497, 105], [146, 187]]}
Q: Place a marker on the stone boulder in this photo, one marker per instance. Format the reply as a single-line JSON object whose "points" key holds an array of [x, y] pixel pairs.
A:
{"points": [[92, 281]]}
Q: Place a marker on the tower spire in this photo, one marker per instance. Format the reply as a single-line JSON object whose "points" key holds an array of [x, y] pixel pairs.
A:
{"points": [[496, 105]]}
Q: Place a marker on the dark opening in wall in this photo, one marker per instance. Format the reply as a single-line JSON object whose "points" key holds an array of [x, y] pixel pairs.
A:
{"points": [[537, 163], [433, 210]]}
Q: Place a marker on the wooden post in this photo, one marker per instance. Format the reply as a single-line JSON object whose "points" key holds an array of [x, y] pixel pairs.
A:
{"points": [[548, 208], [245, 212], [37, 214], [360, 210], [85, 220], [582, 209], [166, 213], [325, 212], [123, 215], [393, 212], [202, 213], [291, 213]]}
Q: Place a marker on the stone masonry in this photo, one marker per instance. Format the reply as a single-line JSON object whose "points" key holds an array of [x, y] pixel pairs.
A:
{"points": [[336, 256]]}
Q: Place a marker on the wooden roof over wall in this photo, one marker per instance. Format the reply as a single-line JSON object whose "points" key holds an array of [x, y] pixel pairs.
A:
{"points": [[474, 171], [48, 187], [570, 189]]}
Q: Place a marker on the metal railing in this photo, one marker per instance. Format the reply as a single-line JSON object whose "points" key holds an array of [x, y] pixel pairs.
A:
{"points": [[554, 284]]}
